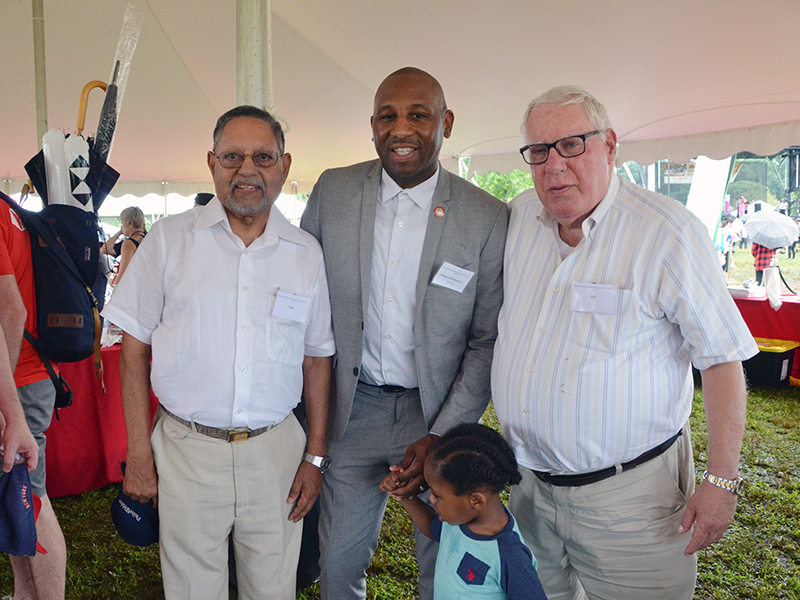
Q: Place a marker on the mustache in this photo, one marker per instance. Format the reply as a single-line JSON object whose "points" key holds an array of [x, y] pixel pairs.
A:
{"points": [[247, 181]]}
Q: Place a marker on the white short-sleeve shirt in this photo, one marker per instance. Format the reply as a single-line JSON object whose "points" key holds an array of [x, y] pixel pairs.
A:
{"points": [[592, 361], [206, 304]]}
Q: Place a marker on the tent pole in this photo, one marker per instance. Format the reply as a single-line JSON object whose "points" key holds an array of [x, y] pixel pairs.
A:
{"points": [[40, 72], [254, 53]]}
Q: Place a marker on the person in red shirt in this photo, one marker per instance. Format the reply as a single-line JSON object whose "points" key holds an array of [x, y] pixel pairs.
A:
{"points": [[40, 577], [763, 258]]}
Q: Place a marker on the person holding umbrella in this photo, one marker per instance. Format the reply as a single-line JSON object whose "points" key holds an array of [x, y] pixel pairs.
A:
{"points": [[763, 256], [768, 230]]}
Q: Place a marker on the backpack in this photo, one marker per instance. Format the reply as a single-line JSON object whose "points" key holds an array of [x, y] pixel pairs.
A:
{"points": [[65, 252]]}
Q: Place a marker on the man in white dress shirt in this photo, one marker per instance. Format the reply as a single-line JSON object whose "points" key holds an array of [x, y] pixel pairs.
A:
{"points": [[611, 293], [414, 257], [232, 303]]}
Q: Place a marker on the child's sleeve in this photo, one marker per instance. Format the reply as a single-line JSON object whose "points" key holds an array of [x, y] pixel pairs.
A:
{"points": [[436, 528], [518, 576]]}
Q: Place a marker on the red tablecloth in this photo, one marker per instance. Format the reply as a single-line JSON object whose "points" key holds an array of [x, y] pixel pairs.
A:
{"points": [[764, 322], [85, 447]]}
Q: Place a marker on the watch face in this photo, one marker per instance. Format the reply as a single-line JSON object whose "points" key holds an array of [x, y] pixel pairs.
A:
{"points": [[326, 463]]}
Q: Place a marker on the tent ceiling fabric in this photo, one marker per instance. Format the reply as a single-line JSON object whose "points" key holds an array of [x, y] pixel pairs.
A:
{"points": [[679, 79]]}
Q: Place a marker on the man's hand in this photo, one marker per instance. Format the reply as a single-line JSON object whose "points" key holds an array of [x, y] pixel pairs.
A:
{"points": [[305, 489], [18, 439], [412, 480], [710, 510], [141, 481]]}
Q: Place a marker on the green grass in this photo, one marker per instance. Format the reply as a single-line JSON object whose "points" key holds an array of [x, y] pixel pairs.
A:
{"points": [[759, 557], [743, 269]]}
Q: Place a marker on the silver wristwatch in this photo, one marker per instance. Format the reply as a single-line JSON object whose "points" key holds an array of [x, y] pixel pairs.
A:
{"points": [[734, 486], [323, 463]]}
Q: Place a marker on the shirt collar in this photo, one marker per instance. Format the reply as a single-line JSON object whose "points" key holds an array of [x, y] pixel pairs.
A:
{"points": [[421, 194], [277, 225], [601, 210]]}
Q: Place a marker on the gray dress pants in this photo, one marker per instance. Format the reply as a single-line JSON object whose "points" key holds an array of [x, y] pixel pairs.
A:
{"points": [[382, 426]]}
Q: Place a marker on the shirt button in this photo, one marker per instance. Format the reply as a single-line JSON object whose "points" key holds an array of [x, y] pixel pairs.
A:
{"points": [[244, 327], [394, 262], [400, 224], [240, 411], [390, 299], [387, 336], [531, 369], [544, 328], [526, 411], [245, 288], [388, 370], [556, 289], [243, 368]]}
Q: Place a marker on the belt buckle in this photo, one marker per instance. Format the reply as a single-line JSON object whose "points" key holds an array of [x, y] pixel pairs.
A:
{"points": [[238, 435]]}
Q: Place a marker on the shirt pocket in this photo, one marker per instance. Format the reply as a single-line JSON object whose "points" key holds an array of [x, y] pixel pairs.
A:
{"points": [[284, 338], [598, 335], [471, 570]]}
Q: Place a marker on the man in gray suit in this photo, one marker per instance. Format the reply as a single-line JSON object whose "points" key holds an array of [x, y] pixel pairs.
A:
{"points": [[414, 257]]}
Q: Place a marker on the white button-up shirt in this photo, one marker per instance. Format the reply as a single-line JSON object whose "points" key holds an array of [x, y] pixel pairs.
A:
{"points": [[205, 302], [401, 220], [579, 390]]}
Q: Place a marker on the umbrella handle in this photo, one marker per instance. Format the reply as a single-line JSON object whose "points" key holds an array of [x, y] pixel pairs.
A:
{"points": [[85, 99]]}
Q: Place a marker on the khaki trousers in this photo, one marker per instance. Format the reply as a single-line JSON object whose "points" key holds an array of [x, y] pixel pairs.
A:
{"points": [[208, 489], [616, 539]]}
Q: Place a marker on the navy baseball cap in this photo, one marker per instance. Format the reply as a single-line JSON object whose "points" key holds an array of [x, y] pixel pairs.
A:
{"points": [[19, 507], [136, 522]]}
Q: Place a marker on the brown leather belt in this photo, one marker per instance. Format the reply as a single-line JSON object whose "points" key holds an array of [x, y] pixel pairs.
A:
{"points": [[595, 476], [229, 435]]}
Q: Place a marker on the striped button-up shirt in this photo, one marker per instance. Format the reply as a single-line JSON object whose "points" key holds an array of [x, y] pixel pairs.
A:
{"points": [[582, 383]]}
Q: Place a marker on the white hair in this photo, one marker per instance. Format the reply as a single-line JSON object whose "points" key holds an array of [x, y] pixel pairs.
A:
{"points": [[571, 94]]}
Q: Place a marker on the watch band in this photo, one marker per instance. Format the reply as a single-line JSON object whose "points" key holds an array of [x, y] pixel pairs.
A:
{"points": [[323, 463], [734, 486]]}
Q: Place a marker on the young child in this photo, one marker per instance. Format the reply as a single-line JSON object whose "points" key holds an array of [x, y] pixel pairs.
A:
{"points": [[481, 552]]}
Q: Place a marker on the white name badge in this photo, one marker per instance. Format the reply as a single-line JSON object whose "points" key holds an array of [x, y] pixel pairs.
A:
{"points": [[291, 307], [594, 298], [452, 277]]}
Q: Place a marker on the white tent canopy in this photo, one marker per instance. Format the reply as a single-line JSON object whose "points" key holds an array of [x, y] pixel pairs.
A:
{"points": [[679, 79]]}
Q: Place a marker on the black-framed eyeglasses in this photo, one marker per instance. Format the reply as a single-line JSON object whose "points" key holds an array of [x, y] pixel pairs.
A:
{"points": [[568, 147], [234, 160]]}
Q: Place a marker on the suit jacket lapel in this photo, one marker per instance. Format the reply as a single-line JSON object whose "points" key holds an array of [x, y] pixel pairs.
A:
{"points": [[433, 235], [369, 201]]}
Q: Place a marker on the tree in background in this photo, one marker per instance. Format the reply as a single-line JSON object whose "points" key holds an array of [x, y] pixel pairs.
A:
{"points": [[504, 187]]}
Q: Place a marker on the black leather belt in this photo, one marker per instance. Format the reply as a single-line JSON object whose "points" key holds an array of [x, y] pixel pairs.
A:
{"points": [[229, 435], [595, 476], [388, 389]]}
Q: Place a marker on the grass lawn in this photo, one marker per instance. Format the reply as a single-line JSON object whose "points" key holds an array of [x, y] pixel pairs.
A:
{"points": [[759, 557]]}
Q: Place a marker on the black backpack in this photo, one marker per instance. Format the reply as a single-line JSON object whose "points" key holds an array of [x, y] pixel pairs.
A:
{"points": [[65, 251]]}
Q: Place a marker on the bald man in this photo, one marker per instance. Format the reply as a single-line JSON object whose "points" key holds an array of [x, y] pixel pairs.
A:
{"points": [[414, 258]]}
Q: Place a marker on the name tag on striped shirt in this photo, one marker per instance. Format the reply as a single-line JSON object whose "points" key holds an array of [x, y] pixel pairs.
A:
{"points": [[598, 298]]}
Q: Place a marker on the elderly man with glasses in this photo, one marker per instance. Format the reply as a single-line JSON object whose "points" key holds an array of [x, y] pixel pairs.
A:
{"points": [[232, 303], [611, 293]]}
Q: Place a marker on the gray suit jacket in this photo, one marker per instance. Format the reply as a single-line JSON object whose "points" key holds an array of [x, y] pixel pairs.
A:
{"points": [[454, 333]]}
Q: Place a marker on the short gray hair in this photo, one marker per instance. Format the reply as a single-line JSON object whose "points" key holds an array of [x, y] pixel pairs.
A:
{"points": [[254, 112], [571, 94], [133, 214]]}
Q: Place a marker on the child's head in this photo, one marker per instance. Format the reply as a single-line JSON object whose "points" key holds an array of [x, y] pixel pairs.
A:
{"points": [[467, 460]]}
